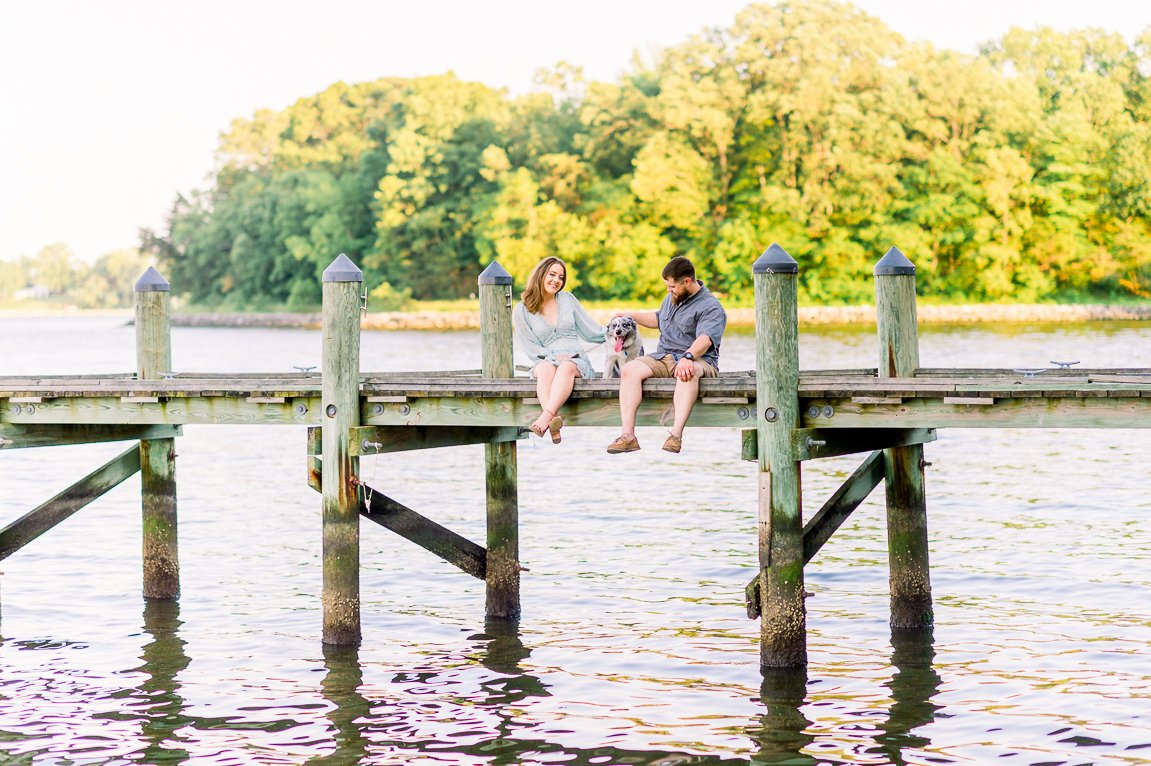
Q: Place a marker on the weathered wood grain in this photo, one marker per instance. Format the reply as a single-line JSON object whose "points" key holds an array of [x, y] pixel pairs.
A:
{"points": [[14, 436], [500, 467], [340, 412], [783, 627], [909, 579], [160, 529], [859, 401]]}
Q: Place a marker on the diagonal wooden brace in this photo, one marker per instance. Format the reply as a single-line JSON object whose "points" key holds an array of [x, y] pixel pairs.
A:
{"points": [[823, 524], [35, 523], [451, 547]]}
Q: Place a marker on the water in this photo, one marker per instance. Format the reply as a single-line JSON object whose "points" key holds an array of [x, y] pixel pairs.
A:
{"points": [[634, 647]]}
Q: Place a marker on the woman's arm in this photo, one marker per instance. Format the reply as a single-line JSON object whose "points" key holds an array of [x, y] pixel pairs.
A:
{"points": [[586, 327]]}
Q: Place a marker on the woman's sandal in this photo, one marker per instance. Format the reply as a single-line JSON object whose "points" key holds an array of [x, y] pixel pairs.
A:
{"points": [[555, 426], [539, 430]]}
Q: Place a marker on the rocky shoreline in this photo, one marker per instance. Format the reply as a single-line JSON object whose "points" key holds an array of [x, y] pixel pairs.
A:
{"points": [[738, 317]]}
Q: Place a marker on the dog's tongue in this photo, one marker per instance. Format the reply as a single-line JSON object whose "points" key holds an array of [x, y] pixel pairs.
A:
{"points": [[618, 345]]}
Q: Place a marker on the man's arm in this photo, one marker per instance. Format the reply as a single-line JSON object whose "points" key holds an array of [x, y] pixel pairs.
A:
{"points": [[648, 319], [699, 346], [684, 367]]}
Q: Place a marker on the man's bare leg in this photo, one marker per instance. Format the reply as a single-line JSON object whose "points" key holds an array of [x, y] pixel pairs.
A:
{"points": [[684, 398], [631, 379]]}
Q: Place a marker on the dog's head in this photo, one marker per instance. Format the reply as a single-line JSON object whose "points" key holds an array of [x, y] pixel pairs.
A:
{"points": [[620, 330]]}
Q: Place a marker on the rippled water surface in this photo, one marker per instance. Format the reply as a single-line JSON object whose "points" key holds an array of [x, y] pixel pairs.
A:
{"points": [[634, 647]]}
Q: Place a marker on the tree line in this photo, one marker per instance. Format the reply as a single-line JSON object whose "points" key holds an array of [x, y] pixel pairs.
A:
{"points": [[1018, 174], [55, 275]]}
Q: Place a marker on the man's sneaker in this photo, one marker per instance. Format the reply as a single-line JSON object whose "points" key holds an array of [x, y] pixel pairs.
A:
{"points": [[623, 444], [672, 443]]}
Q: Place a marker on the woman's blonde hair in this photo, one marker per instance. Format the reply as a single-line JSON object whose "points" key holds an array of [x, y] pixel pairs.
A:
{"points": [[534, 293]]}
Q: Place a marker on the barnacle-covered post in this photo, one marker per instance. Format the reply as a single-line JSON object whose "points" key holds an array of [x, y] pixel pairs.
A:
{"points": [[340, 405], [503, 543], [161, 560], [783, 616], [909, 578]]}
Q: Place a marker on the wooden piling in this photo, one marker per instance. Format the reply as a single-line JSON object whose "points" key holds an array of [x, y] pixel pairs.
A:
{"points": [[340, 412], [909, 578], [503, 557], [783, 622], [161, 560]]}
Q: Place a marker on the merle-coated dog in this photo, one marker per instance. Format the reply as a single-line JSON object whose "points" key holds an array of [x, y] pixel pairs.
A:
{"points": [[623, 345]]}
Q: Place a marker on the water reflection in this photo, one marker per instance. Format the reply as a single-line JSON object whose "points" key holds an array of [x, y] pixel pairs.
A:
{"points": [[164, 659], [156, 702], [508, 697], [913, 685], [504, 695], [503, 654], [350, 709], [495, 722], [782, 731]]}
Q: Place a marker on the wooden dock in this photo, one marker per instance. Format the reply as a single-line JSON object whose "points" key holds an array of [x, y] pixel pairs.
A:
{"points": [[934, 398], [787, 417]]}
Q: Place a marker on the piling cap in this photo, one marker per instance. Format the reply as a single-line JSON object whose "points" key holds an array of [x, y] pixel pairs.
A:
{"points": [[495, 274], [151, 282], [775, 260], [893, 263], [343, 270]]}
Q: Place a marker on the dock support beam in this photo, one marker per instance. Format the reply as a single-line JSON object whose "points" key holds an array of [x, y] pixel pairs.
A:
{"points": [[783, 621], [503, 558], [161, 560], [910, 578], [340, 404]]}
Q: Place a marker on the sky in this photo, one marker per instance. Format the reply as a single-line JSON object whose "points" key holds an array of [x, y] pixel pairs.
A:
{"points": [[113, 108]]}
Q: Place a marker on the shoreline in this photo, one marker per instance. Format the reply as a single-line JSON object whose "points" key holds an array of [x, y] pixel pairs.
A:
{"points": [[737, 317]]}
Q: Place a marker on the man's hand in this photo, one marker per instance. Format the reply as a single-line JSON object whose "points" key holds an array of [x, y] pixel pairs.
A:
{"points": [[684, 369]]}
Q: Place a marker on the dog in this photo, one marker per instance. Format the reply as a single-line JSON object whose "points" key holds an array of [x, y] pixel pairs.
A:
{"points": [[623, 345]]}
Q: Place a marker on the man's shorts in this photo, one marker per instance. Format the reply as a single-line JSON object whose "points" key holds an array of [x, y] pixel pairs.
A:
{"points": [[664, 367]]}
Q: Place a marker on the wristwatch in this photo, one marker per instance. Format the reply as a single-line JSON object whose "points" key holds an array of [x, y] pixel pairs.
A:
{"points": [[689, 356]]}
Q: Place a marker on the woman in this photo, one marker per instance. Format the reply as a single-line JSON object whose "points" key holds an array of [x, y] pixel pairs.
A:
{"points": [[552, 328]]}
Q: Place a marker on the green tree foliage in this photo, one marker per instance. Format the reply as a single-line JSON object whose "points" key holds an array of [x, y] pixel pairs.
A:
{"points": [[106, 284], [55, 268], [12, 279], [1018, 174], [111, 280]]}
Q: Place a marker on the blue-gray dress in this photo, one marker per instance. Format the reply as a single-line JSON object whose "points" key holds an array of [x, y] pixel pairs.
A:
{"points": [[573, 330]]}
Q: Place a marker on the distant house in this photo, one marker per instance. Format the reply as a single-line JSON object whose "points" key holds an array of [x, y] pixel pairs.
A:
{"points": [[32, 292]]}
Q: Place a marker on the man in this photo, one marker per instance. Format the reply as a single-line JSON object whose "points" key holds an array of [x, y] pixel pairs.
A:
{"points": [[690, 323]]}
